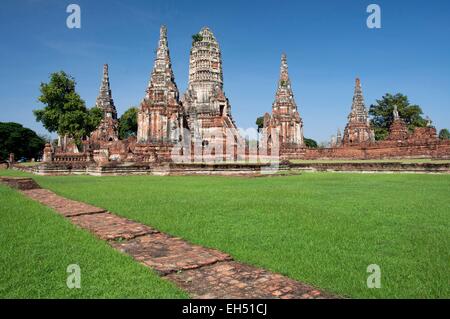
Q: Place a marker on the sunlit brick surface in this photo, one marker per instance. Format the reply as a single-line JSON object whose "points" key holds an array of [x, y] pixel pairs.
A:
{"points": [[167, 254], [237, 280], [111, 227], [62, 205]]}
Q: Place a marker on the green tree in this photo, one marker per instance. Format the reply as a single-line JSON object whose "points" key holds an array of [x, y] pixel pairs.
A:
{"points": [[311, 143], [23, 142], [128, 123], [65, 112], [382, 113], [444, 134], [260, 122]]}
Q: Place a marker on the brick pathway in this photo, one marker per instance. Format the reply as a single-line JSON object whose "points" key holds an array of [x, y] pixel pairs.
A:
{"points": [[202, 272], [111, 227]]}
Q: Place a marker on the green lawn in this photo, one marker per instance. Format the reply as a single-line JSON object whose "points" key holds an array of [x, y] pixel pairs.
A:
{"points": [[37, 245], [320, 228]]}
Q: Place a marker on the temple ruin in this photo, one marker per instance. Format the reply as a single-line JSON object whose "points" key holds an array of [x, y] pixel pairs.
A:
{"points": [[285, 120], [201, 121], [358, 128], [108, 128], [207, 109]]}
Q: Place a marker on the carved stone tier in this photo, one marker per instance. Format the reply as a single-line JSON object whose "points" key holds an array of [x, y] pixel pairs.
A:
{"points": [[207, 109]]}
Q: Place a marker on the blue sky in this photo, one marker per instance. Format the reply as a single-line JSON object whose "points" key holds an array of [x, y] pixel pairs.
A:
{"points": [[327, 44]]}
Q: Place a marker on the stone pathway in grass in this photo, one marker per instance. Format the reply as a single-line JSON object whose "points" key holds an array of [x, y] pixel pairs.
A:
{"points": [[202, 272]]}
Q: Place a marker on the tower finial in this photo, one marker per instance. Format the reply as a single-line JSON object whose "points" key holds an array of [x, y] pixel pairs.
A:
{"points": [[105, 87], [105, 73], [284, 64], [162, 32], [284, 75]]}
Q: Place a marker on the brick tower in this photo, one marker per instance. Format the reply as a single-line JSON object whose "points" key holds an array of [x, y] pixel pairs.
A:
{"points": [[285, 118], [108, 128], [207, 109], [398, 130], [358, 128], [160, 114]]}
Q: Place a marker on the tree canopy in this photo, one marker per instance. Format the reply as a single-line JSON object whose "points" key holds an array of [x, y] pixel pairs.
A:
{"points": [[309, 142], [382, 113], [128, 123], [23, 142], [260, 122], [65, 112], [444, 134]]}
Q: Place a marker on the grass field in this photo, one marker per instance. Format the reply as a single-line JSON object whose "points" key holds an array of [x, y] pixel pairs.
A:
{"points": [[37, 246], [320, 228]]}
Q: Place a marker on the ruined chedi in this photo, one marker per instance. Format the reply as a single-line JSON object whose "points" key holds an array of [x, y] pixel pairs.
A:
{"points": [[207, 109], [358, 128], [398, 130], [285, 118], [108, 128], [160, 113]]}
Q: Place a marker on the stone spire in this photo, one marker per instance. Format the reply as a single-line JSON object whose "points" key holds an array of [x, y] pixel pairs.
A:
{"points": [[162, 77], [359, 112], [358, 128], [108, 128], [338, 137], [104, 99], [159, 114], [284, 98], [285, 118]]}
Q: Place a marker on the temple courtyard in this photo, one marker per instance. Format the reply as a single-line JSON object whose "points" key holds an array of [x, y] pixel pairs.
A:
{"points": [[321, 229]]}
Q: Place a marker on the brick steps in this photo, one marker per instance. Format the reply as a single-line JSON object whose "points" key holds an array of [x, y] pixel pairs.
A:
{"points": [[202, 272]]}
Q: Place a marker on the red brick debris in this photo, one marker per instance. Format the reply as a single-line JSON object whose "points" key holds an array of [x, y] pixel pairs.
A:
{"points": [[203, 272]]}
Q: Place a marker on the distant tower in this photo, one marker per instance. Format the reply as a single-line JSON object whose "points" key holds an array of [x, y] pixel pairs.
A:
{"points": [[207, 108], [358, 128], [338, 137], [108, 128], [285, 118], [159, 116], [333, 142]]}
